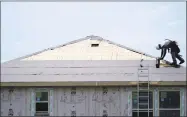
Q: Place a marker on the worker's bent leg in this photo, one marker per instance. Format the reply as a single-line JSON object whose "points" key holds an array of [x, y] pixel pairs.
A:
{"points": [[180, 58], [173, 55]]}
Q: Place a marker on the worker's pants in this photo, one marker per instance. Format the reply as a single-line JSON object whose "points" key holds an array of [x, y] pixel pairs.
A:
{"points": [[175, 55]]}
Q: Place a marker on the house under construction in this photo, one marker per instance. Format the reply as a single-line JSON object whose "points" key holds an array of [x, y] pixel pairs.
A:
{"points": [[91, 77]]}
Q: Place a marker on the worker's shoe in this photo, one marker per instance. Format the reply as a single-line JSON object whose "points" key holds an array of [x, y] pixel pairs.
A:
{"points": [[173, 64], [181, 62]]}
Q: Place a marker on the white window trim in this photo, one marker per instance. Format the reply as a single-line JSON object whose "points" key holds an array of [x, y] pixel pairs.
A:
{"points": [[183, 102], [42, 90], [50, 100], [169, 109]]}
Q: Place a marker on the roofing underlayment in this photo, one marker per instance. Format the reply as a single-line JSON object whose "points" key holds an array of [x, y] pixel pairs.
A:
{"points": [[41, 72]]}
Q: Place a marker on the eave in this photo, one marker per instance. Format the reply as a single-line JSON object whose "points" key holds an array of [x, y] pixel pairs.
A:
{"points": [[92, 83]]}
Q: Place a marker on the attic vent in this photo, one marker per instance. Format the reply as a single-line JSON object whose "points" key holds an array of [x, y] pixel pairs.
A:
{"points": [[94, 45]]}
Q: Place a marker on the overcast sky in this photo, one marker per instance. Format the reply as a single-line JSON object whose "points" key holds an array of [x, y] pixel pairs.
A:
{"points": [[28, 27]]}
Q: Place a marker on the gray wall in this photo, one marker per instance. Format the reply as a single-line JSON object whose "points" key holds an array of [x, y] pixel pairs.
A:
{"points": [[91, 101], [86, 102], [16, 102]]}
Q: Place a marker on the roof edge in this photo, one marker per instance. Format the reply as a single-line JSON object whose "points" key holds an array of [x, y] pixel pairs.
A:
{"points": [[50, 48], [93, 83]]}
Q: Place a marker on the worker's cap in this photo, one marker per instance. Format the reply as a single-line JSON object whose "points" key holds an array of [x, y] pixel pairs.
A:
{"points": [[158, 47]]}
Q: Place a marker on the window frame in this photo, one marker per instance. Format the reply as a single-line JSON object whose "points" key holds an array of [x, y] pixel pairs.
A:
{"points": [[144, 110], [42, 90], [170, 110], [168, 90]]}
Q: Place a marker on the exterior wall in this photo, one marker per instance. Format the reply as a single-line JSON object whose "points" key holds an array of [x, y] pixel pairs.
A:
{"points": [[92, 101], [14, 102], [83, 51]]}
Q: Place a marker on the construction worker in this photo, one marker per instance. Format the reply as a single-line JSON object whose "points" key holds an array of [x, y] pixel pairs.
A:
{"points": [[173, 48]]}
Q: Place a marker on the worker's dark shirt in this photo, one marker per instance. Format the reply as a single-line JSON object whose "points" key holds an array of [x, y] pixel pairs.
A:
{"points": [[172, 45], [167, 44]]}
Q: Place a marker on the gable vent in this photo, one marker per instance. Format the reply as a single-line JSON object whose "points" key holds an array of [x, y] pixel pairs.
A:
{"points": [[94, 45]]}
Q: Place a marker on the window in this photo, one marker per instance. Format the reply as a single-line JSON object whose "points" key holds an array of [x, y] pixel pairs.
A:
{"points": [[169, 99], [73, 91], [94, 45], [143, 99], [42, 102], [105, 113], [142, 113], [169, 103], [73, 113], [169, 113]]}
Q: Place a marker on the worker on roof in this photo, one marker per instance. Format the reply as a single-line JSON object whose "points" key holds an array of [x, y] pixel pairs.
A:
{"points": [[171, 46]]}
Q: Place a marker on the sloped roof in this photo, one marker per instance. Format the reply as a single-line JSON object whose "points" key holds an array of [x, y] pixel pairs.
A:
{"points": [[85, 73], [88, 73], [91, 37]]}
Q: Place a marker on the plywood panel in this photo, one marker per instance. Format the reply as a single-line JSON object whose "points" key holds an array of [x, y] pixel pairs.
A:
{"points": [[114, 100], [28, 101], [67, 102], [72, 101], [97, 99], [13, 102], [106, 101], [81, 105], [98, 102], [124, 101]]}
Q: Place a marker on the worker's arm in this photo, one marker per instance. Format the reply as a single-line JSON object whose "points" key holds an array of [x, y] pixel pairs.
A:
{"points": [[163, 53]]}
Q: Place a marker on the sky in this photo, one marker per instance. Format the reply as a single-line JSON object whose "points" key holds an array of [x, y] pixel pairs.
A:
{"points": [[28, 27]]}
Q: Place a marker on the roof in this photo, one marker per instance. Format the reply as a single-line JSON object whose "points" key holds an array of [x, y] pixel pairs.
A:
{"points": [[93, 73], [86, 72]]}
